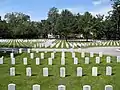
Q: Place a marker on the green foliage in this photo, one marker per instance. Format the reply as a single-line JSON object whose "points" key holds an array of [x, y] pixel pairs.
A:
{"points": [[64, 23]]}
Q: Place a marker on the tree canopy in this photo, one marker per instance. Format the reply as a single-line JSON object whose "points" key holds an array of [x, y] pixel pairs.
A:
{"points": [[66, 24]]}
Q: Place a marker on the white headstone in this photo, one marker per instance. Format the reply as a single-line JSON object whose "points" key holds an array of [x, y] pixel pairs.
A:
{"points": [[12, 71], [75, 60], [108, 87], [45, 51], [11, 86], [91, 54], [87, 60], [94, 71], [118, 58], [25, 61], [32, 55], [86, 87], [13, 61], [79, 71], [82, 54], [28, 71], [37, 61], [28, 50], [52, 55], [108, 59], [109, 70], [20, 50], [71, 50], [36, 87], [49, 61], [37, 51], [63, 55], [45, 72], [61, 87], [62, 72], [97, 60], [42, 55], [1, 60], [100, 54], [62, 61], [73, 54], [12, 55]]}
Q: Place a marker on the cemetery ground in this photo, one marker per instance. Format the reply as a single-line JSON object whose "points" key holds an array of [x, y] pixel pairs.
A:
{"points": [[53, 43], [71, 81]]}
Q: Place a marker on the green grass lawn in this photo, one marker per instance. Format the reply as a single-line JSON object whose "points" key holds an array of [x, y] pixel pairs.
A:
{"points": [[71, 81]]}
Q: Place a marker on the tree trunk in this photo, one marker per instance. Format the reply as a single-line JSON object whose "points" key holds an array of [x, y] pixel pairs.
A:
{"points": [[66, 38]]}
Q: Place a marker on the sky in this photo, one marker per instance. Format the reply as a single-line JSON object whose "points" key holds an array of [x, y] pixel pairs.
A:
{"points": [[38, 9]]}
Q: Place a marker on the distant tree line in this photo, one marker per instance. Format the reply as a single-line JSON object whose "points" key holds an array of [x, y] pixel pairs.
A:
{"points": [[65, 24]]}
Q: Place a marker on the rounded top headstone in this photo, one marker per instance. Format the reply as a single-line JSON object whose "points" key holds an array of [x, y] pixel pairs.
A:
{"points": [[108, 85], [11, 84], [86, 86], [61, 86]]}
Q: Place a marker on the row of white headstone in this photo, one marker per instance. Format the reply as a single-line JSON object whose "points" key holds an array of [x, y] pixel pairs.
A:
{"points": [[87, 60], [63, 71], [108, 58], [100, 43], [32, 55], [50, 60], [60, 87], [51, 43], [28, 71], [97, 60], [86, 87], [73, 55]]}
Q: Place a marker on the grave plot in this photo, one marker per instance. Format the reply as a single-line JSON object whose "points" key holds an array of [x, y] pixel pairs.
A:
{"points": [[54, 43], [28, 43], [93, 43], [59, 71]]}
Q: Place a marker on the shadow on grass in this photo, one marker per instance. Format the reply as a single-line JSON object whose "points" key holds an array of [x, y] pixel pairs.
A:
{"points": [[67, 75], [34, 74], [79, 63], [17, 74], [113, 73], [84, 75], [99, 74], [50, 75]]}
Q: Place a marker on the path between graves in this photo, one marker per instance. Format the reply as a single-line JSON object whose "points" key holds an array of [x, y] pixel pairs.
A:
{"points": [[106, 50]]}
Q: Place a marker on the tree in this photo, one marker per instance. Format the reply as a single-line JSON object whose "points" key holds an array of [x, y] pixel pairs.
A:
{"points": [[115, 18], [64, 23], [85, 22], [17, 22], [98, 27], [4, 30], [53, 14], [0, 18], [45, 28]]}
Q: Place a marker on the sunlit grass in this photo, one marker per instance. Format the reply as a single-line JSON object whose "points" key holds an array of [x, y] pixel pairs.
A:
{"points": [[71, 81]]}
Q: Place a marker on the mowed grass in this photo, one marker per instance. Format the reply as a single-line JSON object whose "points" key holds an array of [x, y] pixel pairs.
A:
{"points": [[20, 44], [71, 81]]}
